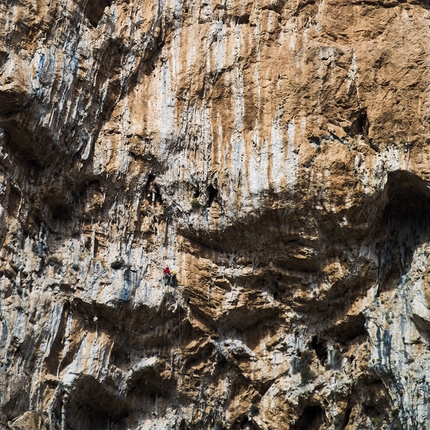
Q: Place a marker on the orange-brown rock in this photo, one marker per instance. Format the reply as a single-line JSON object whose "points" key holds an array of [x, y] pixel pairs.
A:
{"points": [[273, 153]]}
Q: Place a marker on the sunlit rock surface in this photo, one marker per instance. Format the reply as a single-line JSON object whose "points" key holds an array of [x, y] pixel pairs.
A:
{"points": [[275, 154]]}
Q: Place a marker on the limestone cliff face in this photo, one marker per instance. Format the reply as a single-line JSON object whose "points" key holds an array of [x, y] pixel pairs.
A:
{"points": [[275, 154]]}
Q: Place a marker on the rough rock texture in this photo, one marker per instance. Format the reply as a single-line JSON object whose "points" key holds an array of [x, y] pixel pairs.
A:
{"points": [[275, 153]]}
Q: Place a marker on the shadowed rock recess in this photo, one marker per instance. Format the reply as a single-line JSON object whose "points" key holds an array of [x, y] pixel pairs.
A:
{"points": [[275, 154]]}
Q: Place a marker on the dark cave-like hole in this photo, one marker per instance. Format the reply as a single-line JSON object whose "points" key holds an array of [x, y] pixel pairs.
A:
{"points": [[94, 10], [33, 166], [349, 330], [244, 19], [150, 188], [88, 186], [254, 410], [3, 58], [370, 411], [315, 140], [157, 195], [85, 417], [149, 181], [360, 125], [14, 201], [408, 200], [264, 387], [320, 348], [61, 212], [353, 328], [405, 224], [346, 417], [312, 418], [93, 407], [212, 194]]}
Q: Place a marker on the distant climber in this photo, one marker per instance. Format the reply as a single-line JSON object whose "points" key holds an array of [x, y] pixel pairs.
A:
{"points": [[173, 278], [167, 276]]}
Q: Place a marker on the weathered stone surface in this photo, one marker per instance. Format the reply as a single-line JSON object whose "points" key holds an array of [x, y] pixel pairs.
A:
{"points": [[275, 154]]}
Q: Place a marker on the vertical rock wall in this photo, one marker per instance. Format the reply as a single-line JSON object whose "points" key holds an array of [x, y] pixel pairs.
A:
{"points": [[274, 153]]}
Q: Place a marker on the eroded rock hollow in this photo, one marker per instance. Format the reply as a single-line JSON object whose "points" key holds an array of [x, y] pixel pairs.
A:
{"points": [[275, 154]]}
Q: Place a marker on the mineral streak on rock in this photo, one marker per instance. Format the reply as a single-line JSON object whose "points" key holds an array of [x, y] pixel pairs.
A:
{"points": [[274, 153]]}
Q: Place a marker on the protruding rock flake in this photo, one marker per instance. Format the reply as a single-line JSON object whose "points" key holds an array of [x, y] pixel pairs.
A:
{"points": [[271, 153]]}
